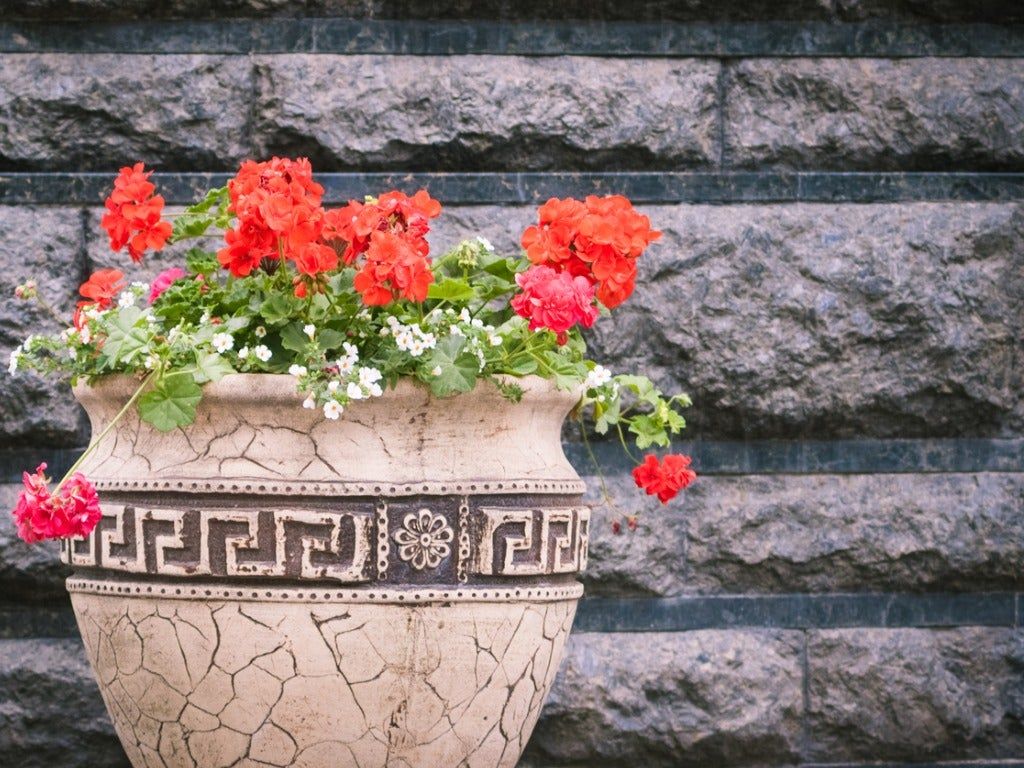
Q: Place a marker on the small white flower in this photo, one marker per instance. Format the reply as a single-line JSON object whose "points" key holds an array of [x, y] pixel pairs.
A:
{"points": [[126, 299], [385, 331], [222, 342], [172, 335], [205, 318], [486, 244], [368, 376], [309, 330], [346, 365], [12, 366], [309, 402], [598, 377], [262, 353], [297, 370], [392, 321], [454, 330], [333, 409], [354, 391], [494, 339], [476, 322], [375, 390], [416, 348], [332, 386], [244, 353], [464, 315], [151, 362], [85, 334], [435, 371], [260, 332], [351, 350]]}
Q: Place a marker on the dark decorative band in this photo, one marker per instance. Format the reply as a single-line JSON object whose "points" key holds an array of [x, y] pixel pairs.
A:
{"points": [[421, 541], [527, 38], [678, 614], [681, 614], [531, 188], [757, 457], [494, 594]]}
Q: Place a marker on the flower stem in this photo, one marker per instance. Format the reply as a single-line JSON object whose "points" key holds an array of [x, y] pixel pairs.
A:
{"points": [[106, 431], [605, 493]]}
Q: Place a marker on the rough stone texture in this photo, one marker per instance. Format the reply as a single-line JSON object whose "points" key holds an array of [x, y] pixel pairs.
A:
{"points": [[45, 244], [487, 112], [813, 533], [820, 320], [51, 713], [642, 10], [102, 111], [915, 114], [26, 571], [916, 694], [722, 698]]}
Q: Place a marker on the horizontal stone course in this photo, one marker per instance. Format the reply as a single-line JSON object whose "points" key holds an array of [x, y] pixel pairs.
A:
{"points": [[642, 10], [921, 114], [106, 110], [814, 320], [487, 112]]}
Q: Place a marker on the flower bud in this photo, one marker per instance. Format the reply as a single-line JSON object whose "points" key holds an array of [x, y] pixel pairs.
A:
{"points": [[27, 290]]}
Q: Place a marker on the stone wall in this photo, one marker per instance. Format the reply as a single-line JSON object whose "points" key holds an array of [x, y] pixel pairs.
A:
{"points": [[840, 288]]}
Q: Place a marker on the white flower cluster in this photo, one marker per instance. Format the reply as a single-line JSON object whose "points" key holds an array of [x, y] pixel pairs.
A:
{"points": [[16, 354], [474, 331], [347, 363], [365, 385], [410, 338], [598, 377], [130, 295]]}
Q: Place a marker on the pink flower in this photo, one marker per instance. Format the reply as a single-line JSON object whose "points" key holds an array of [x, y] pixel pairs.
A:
{"points": [[73, 511], [163, 282], [554, 300]]}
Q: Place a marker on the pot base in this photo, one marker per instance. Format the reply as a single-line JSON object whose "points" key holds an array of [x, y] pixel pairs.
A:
{"points": [[210, 676]]}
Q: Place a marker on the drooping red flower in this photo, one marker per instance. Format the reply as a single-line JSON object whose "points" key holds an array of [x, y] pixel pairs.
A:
{"points": [[393, 269], [163, 281], [101, 288], [554, 300], [74, 510], [599, 239], [134, 214], [666, 478], [353, 227]]}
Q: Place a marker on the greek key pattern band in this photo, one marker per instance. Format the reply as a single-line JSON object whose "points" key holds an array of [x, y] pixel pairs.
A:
{"points": [[416, 542]]}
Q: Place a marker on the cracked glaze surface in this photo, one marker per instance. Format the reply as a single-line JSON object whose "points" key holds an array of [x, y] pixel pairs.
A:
{"points": [[214, 683], [238, 613]]}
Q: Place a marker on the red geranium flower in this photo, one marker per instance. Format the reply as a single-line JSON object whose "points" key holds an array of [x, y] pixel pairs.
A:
{"points": [[554, 300], [101, 288], [393, 269], [73, 511], [666, 478], [599, 239], [134, 213]]}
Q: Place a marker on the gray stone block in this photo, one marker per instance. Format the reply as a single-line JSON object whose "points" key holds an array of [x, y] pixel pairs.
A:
{"points": [[913, 694], [487, 112], [909, 114], [689, 699], [51, 713], [29, 571], [99, 112], [45, 244]]}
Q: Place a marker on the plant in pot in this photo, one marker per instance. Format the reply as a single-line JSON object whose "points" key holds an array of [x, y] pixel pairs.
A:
{"points": [[337, 525]]}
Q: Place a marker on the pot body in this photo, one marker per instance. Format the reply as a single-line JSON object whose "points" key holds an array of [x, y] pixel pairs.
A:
{"points": [[269, 588]]}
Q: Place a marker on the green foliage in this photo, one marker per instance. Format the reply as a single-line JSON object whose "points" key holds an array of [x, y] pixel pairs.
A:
{"points": [[172, 402]]}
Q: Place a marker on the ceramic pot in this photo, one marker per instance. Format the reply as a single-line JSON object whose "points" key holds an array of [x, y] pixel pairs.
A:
{"points": [[271, 588]]}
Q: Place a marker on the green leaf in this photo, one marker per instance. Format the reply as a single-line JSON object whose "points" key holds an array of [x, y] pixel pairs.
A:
{"points": [[293, 338], [567, 374], [649, 431], [125, 337], [456, 369], [451, 289], [522, 365], [279, 308], [201, 262], [211, 367], [329, 339], [172, 403]]}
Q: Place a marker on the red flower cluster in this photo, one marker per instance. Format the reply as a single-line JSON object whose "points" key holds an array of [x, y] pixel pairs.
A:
{"points": [[279, 212], [599, 239], [554, 300], [133, 216], [73, 511], [278, 208], [99, 291], [666, 478], [392, 233]]}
